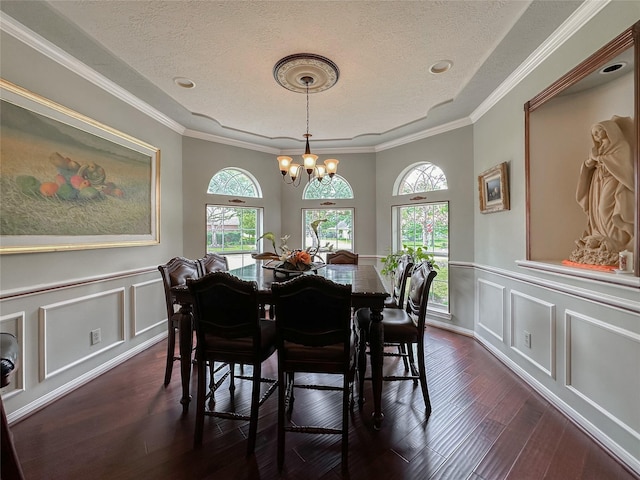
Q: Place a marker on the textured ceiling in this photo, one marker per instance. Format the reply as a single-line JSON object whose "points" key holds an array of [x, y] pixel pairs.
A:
{"points": [[383, 49]]}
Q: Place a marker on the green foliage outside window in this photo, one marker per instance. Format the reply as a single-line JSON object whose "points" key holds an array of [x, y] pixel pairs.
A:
{"points": [[337, 229], [231, 229]]}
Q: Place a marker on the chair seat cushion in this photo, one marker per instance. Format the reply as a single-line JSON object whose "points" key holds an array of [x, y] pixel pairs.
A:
{"points": [[312, 359], [398, 325], [241, 349]]}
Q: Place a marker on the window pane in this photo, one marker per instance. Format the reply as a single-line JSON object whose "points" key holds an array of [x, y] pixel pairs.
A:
{"points": [[425, 177], [427, 226], [336, 188], [336, 230], [232, 229], [231, 181]]}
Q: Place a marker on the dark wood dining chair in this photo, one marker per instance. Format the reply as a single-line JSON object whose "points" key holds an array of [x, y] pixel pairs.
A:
{"points": [[175, 272], [229, 330], [213, 262], [400, 277], [342, 257], [402, 326], [314, 335], [397, 300]]}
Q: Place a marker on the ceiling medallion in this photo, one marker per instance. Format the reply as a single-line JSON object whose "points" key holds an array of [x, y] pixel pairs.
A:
{"points": [[293, 73]]}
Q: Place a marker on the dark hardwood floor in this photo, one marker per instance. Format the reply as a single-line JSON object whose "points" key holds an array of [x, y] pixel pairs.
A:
{"points": [[486, 424]]}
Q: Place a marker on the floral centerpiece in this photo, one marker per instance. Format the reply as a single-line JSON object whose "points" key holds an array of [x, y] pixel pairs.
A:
{"points": [[294, 260]]}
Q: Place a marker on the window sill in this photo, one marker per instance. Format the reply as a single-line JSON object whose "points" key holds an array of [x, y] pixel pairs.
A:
{"points": [[439, 314]]}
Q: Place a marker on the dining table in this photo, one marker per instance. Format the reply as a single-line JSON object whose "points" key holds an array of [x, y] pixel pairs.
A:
{"points": [[367, 291]]}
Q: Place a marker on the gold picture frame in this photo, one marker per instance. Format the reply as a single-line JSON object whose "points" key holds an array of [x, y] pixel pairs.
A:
{"points": [[493, 188], [68, 182]]}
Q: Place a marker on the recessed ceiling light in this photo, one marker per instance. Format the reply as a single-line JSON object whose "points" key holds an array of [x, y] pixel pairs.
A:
{"points": [[441, 66], [614, 67], [184, 82]]}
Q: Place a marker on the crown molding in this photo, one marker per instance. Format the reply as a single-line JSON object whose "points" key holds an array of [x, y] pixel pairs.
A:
{"points": [[569, 27], [55, 53], [446, 127], [330, 151], [579, 18], [230, 141]]}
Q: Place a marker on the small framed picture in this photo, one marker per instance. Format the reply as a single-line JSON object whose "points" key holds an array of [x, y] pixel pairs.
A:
{"points": [[493, 188]]}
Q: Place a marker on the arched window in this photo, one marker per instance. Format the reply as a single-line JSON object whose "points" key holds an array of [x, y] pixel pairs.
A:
{"points": [[236, 182], [338, 187], [423, 177], [233, 231], [425, 225]]}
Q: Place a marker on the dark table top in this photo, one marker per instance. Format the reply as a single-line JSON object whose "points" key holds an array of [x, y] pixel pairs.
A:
{"points": [[367, 286], [364, 279]]}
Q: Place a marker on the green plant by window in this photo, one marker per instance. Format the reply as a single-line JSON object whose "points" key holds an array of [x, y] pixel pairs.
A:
{"points": [[418, 254]]}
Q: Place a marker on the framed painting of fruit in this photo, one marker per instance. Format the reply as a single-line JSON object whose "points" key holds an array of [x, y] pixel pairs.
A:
{"points": [[68, 182]]}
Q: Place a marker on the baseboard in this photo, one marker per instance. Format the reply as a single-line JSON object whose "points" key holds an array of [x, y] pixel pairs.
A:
{"points": [[452, 328], [63, 390], [576, 418]]}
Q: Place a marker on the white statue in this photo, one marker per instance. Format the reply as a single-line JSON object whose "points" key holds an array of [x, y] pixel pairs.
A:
{"points": [[606, 194]]}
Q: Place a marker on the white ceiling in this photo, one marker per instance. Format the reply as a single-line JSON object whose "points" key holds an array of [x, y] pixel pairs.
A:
{"points": [[383, 50]]}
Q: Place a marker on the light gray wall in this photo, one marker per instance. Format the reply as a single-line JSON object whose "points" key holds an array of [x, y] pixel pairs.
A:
{"points": [[53, 300], [453, 153], [584, 352], [203, 159], [25, 67]]}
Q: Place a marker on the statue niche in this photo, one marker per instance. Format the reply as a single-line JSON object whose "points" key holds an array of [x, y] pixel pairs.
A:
{"points": [[606, 194]]}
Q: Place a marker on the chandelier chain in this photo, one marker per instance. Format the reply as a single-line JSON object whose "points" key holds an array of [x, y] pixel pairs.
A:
{"points": [[307, 109]]}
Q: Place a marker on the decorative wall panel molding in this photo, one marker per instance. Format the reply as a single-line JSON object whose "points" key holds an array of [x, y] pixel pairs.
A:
{"points": [[534, 319], [628, 456], [81, 380], [490, 311], [66, 330], [148, 308], [602, 363], [14, 323]]}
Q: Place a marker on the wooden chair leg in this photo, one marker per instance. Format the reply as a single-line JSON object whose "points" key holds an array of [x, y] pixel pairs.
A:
{"points": [[362, 366], [232, 378], [412, 362], [345, 423], [402, 351], [255, 403], [171, 349], [281, 407], [200, 403], [423, 376]]}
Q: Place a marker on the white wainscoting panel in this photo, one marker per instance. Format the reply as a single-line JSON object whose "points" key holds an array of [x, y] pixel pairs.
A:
{"points": [[538, 318], [602, 367], [491, 307], [14, 323], [148, 306], [65, 329]]}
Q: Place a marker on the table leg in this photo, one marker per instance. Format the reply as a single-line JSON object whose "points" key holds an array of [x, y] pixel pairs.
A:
{"points": [[376, 347], [186, 347]]}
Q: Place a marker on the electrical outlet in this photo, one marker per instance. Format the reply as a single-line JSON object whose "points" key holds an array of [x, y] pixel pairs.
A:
{"points": [[96, 336], [527, 339]]}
